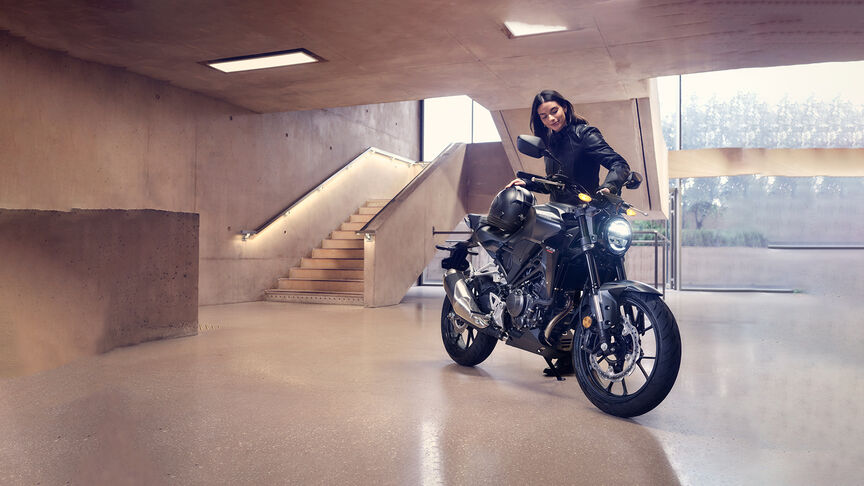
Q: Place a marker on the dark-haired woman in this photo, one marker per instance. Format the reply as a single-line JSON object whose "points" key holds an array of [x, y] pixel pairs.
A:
{"points": [[579, 147], [581, 150]]}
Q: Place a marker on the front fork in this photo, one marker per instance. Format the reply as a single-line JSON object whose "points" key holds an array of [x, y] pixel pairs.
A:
{"points": [[594, 279]]}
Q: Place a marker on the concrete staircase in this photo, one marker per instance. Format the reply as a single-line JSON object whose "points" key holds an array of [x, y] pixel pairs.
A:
{"points": [[333, 274]]}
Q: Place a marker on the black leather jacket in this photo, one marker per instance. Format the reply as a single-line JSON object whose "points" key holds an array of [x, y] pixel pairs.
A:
{"points": [[582, 150]]}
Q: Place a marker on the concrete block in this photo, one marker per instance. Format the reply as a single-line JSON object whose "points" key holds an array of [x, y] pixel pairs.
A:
{"points": [[83, 282]]}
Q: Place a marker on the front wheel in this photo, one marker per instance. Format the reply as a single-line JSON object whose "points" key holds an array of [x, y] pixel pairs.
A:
{"points": [[640, 362], [466, 345]]}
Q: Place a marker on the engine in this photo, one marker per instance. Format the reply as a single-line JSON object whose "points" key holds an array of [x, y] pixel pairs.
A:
{"points": [[526, 306]]}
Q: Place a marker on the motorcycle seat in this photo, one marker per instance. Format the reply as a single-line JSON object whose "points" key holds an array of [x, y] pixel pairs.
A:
{"points": [[491, 237]]}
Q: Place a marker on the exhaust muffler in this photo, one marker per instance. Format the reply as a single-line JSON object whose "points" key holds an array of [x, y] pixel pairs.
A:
{"points": [[463, 302]]}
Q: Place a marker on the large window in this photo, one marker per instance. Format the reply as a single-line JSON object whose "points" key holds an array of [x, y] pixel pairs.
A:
{"points": [[751, 231], [454, 119]]}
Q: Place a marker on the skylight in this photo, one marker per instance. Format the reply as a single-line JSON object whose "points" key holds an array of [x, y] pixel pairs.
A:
{"points": [[520, 29], [263, 61]]}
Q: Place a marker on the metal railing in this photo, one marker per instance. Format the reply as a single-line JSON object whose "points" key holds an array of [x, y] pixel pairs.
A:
{"points": [[246, 234], [657, 239], [411, 186]]}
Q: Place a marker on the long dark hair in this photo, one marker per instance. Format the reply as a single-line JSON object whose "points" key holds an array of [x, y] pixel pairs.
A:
{"points": [[537, 127]]}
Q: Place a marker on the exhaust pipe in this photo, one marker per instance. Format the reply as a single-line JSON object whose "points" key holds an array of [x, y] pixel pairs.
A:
{"points": [[462, 300], [550, 328]]}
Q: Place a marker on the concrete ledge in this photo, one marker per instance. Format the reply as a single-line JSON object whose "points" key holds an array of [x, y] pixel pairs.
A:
{"points": [[86, 281]]}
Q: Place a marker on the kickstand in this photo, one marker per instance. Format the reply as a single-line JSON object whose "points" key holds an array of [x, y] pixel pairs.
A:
{"points": [[554, 369]]}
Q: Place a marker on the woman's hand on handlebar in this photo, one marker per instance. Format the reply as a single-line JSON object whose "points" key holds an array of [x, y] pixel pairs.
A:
{"points": [[605, 191], [515, 182]]}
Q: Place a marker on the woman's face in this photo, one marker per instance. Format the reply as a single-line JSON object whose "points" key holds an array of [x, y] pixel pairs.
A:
{"points": [[553, 115]]}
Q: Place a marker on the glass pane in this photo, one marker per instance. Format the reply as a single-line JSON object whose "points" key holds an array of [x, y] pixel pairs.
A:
{"points": [[445, 120], [667, 92], [484, 127], [771, 232], [814, 105]]}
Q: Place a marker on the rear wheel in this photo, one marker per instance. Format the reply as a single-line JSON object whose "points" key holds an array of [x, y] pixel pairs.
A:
{"points": [[465, 345], [640, 363]]}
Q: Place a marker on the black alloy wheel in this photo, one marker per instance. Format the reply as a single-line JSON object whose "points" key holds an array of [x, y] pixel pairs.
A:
{"points": [[631, 376], [465, 345]]}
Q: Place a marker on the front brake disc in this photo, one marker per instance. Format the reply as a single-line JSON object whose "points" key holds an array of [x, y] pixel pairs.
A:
{"points": [[628, 335]]}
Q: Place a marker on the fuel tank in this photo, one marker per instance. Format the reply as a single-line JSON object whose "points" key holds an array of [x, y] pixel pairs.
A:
{"points": [[544, 221], [514, 250]]}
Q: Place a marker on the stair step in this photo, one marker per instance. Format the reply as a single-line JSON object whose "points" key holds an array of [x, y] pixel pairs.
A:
{"points": [[345, 235], [307, 297], [355, 244], [351, 226], [376, 203], [321, 285], [325, 273], [372, 211], [361, 218], [337, 253], [342, 263]]}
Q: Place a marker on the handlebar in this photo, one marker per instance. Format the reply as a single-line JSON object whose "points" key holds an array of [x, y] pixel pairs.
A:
{"points": [[548, 182], [613, 199]]}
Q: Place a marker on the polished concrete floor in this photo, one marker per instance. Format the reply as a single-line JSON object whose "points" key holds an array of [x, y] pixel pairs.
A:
{"points": [[770, 392]]}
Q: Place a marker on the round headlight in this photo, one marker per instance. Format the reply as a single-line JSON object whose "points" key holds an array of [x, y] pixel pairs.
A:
{"points": [[617, 234]]}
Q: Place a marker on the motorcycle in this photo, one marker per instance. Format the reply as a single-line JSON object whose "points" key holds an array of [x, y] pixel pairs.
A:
{"points": [[556, 287]]}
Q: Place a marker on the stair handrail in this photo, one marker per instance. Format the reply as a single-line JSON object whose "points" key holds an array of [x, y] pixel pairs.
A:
{"points": [[412, 184], [246, 234]]}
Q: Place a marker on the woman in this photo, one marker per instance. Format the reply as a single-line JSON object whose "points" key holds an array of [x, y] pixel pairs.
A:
{"points": [[579, 147], [581, 150]]}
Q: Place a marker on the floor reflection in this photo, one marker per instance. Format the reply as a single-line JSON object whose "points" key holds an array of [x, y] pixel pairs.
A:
{"points": [[306, 394]]}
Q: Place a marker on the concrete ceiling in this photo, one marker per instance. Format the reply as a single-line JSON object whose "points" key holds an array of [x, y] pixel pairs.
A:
{"points": [[394, 50]]}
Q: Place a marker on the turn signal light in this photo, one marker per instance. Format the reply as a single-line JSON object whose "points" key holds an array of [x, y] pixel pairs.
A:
{"points": [[586, 322], [584, 197], [631, 212]]}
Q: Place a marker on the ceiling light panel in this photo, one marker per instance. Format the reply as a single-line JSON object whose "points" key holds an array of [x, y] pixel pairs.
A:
{"points": [[521, 29], [264, 61]]}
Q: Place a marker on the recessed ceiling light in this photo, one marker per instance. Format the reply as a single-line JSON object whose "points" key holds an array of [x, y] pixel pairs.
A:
{"points": [[263, 61], [520, 29]]}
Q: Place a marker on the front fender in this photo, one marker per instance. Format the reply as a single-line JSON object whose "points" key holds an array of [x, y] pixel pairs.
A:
{"points": [[616, 288], [609, 293]]}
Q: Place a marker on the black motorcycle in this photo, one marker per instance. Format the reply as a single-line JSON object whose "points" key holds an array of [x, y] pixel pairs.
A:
{"points": [[556, 287]]}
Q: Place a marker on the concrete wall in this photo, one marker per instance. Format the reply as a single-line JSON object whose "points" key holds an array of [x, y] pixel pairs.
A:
{"points": [[769, 162], [401, 243], [76, 134], [484, 174], [84, 282]]}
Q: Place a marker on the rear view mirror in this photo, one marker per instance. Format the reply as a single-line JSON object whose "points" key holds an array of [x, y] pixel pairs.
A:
{"points": [[530, 145], [634, 180]]}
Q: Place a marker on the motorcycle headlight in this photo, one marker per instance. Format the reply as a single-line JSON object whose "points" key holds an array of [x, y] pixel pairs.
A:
{"points": [[617, 235]]}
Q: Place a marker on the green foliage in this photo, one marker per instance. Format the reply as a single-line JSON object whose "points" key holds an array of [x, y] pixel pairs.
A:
{"points": [[701, 237], [646, 225], [701, 210]]}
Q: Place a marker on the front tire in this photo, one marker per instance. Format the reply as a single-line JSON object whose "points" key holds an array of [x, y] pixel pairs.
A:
{"points": [[465, 344], [656, 363]]}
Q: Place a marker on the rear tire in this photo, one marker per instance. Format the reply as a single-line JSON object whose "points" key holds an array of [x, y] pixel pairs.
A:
{"points": [[656, 367], [465, 344]]}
